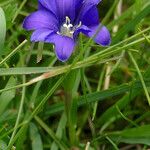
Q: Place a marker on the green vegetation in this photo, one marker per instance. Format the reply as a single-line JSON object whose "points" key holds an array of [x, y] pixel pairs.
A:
{"points": [[98, 100]]}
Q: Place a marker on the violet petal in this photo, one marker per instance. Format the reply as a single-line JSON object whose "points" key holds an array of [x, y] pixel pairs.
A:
{"points": [[103, 36], [40, 19], [41, 35], [64, 46]]}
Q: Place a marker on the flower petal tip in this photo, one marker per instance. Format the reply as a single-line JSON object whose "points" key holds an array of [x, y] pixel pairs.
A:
{"points": [[106, 42]]}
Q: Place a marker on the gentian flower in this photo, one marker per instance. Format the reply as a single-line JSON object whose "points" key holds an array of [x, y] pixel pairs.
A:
{"points": [[60, 22]]}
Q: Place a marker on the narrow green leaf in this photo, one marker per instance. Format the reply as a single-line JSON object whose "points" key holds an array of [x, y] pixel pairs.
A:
{"points": [[2, 29], [99, 96], [140, 76], [51, 133], [130, 26], [6, 97], [35, 137], [60, 131], [22, 138], [139, 135], [40, 51], [112, 111]]}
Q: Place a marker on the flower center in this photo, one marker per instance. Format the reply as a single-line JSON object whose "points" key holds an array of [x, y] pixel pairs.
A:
{"points": [[67, 29]]}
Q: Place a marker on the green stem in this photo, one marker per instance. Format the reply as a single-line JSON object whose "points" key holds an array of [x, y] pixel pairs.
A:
{"points": [[140, 76], [18, 10], [68, 107], [13, 52], [19, 112]]}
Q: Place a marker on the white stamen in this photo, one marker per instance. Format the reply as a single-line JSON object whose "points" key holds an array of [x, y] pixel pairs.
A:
{"points": [[79, 25], [67, 28], [68, 20]]}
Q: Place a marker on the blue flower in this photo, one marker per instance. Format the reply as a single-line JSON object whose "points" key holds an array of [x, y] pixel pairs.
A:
{"points": [[60, 22]]}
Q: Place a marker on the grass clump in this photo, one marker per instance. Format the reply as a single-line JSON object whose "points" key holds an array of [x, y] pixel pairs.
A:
{"points": [[99, 99]]}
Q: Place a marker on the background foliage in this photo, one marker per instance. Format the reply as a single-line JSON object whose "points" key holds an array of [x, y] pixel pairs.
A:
{"points": [[99, 99]]}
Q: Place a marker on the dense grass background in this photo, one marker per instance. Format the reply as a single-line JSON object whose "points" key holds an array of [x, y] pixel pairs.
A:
{"points": [[98, 100]]}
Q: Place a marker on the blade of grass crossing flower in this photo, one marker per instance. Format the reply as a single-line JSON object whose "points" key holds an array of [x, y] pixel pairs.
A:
{"points": [[20, 71], [95, 56], [140, 76], [2, 29], [90, 60], [53, 71], [109, 52]]}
